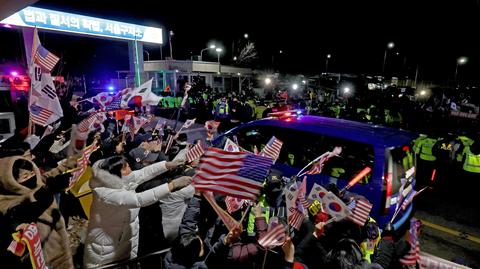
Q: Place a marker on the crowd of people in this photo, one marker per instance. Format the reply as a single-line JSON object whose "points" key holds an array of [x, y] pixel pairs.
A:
{"points": [[143, 199]]}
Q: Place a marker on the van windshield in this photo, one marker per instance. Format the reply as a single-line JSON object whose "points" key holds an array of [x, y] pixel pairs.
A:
{"points": [[299, 148]]}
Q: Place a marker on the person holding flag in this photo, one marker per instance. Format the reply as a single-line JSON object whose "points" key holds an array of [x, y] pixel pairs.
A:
{"points": [[115, 207], [190, 250]]}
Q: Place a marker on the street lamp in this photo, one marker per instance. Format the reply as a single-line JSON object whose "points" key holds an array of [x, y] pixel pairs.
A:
{"points": [[218, 50], [170, 35], [326, 62], [460, 61], [245, 35], [235, 58], [304, 82], [209, 47], [294, 86], [390, 45], [268, 81]]}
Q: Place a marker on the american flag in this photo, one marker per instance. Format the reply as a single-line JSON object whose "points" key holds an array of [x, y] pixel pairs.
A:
{"points": [[272, 149], [295, 217], [237, 174], [45, 59], [170, 138], [234, 204], [276, 236], [228, 220], [84, 125], [195, 152], [211, 125], [322, 159], [115, 104], [295, 210], [413, 255], [318, 166], [39, 115], [82, 162], [360, 211], [302, 192]]}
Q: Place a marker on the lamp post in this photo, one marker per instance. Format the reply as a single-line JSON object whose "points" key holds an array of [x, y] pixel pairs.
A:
{"points": [[390, 45], [201, 52], [326, 62], [245, 35], [170, 35], [219, 50], [460, 61]]}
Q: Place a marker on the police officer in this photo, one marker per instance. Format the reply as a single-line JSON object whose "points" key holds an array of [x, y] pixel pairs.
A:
{"points": [[471, 168], [426, 160]]}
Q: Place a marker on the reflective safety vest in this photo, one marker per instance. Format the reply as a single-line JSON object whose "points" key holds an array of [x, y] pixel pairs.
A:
{"points": [[417, 143], [407, 161], [426, 149], [251, 216], [472, 162], [222, 109], [337, 172], [368, 246], [467, 142]]}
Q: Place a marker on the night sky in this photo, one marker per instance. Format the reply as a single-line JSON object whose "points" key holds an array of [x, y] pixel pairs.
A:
{"points": [[428, 33]]}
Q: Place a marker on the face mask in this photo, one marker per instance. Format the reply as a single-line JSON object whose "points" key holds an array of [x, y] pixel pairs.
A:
{"points": [[30, 183]]}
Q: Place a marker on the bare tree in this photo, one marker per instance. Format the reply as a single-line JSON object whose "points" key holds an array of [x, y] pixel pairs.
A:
{"points": [[248, 53]]}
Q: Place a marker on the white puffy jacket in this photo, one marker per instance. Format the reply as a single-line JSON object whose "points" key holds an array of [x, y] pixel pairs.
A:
{"points": [[114, 224]]}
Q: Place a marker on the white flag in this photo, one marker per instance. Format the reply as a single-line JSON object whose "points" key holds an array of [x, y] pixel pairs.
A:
{"points": [[335, 206], [231, 146], [141, 96], [44, 104], [188, 124]]}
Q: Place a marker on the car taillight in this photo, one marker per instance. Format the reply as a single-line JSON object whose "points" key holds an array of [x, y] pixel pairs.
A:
{"points": [[388, 184]]}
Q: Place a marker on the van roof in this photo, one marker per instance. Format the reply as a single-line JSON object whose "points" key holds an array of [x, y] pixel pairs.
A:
{"points": [[375, 135]]}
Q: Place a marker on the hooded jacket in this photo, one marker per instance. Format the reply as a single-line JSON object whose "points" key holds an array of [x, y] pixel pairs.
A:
{"points": [[51, 225], [113, 228]]}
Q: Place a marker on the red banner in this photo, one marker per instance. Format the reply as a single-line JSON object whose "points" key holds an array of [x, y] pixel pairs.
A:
{"points": [[27, 234]]}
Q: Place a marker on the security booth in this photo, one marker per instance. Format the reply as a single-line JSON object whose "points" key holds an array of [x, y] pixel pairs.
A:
{"points": [[172, 75]]}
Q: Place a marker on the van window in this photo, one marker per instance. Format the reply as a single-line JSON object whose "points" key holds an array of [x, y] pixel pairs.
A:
{"points": [[299, 148], [4, 126], [403, 160]]}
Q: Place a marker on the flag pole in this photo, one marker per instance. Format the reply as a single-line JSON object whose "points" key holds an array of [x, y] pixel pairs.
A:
{"points": [[30, 64], [264, 259], [244, 214]]}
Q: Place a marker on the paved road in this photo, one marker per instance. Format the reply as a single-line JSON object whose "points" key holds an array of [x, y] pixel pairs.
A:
{"points": [[445, 208]]}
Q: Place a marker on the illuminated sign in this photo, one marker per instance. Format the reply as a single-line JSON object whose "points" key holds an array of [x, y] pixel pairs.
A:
{"points": [[73, 23]]}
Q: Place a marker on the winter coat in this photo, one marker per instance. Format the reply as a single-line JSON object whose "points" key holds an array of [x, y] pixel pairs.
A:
{"points": [[114, 224], [173, 207], [245, 254], [189, 224], [51, 225]]}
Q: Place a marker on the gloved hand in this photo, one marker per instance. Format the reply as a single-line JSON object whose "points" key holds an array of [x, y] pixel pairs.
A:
{"points": [[58, 183], [174, 164], [179, 183]]}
